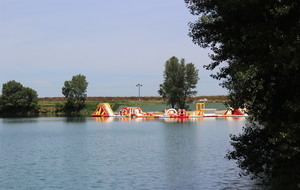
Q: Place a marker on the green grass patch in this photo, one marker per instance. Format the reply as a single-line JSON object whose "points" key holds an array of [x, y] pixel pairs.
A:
{"points": [[48, 105]]}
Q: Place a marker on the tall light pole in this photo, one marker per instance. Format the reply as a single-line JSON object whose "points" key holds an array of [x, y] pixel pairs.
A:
{"points": [[139, 86]]}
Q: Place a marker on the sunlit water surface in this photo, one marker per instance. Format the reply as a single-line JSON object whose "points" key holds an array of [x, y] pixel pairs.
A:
{"points": [[114, 153]]}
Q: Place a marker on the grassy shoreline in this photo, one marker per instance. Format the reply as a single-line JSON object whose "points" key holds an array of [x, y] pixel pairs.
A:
{"points": [[48, 104]]}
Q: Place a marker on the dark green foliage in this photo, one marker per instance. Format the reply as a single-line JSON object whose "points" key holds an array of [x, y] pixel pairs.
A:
{"points": [[59, 108], [75, 92], [179, 81], [17, 99], [272, 154], [256, 45]]}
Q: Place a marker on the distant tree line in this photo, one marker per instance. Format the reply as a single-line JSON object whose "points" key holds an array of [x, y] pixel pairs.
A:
{"points": [[17, 100], [75, 92], [180, 80]]}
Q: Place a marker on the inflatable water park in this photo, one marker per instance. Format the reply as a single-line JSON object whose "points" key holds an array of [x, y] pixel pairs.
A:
{"points": [[105, 110]]}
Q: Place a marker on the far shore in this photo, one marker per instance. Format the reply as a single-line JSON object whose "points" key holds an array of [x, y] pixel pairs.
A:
{"points": [[210, 99], [48, 105]]}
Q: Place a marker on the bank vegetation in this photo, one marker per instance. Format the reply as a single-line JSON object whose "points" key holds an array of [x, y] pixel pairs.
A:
{"points": [[48, 105]]}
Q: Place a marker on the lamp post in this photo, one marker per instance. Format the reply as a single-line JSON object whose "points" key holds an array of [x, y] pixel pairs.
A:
{"points": [[139, 86]]}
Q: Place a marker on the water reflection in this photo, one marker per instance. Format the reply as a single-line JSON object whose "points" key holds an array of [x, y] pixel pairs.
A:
{"points": [[194, 154], [126, 153], [104, 119], [182, 155], [75, 119], [167, 120], [19, 120], [176, 120]]}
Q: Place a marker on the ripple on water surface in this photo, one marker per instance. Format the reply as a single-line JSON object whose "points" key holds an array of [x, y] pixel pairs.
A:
{"points": [[62, 153]]}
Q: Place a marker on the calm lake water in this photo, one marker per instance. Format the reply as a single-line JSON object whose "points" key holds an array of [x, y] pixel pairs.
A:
{"points": [[115, 153]]}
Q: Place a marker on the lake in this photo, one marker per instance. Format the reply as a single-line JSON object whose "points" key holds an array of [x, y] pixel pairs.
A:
{"points": [[118, 153]]}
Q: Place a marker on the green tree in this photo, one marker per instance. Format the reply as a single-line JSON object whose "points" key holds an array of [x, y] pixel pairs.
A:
{"points": [[256, 45], [75, 92], [180, 80], [17, 99]]}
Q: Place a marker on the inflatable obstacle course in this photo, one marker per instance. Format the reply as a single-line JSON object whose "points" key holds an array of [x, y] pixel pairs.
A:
{"points": [[234, 112], [200, 109], [104, 110], [133, 112]]}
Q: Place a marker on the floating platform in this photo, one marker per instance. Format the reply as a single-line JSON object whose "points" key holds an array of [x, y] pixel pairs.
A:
{"points": [[104, 110]]}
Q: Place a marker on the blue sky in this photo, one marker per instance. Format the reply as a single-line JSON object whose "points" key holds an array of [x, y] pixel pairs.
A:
{"points": [[115, 44]]}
